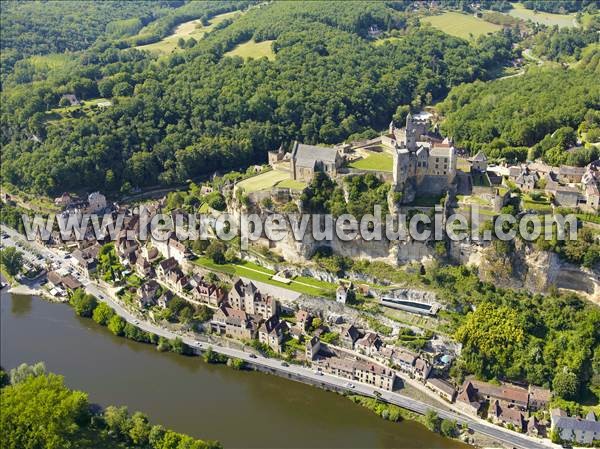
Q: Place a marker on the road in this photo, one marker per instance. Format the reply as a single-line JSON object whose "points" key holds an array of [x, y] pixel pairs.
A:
{"points": [[501, 434]]}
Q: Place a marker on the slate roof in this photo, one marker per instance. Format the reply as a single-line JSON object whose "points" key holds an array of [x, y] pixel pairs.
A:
{"points": [[307, 155]]}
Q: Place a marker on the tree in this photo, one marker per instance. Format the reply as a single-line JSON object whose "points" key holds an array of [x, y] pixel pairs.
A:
{"points": [[432, 420], [102, 314], [216, 252], [139, 430], [11, 260], [41, 412], [236, 364], [117, 419], [491, 336], [565, 384], [116, 325], [82, 303], [178, 346], [24, 371], [449, 428]]}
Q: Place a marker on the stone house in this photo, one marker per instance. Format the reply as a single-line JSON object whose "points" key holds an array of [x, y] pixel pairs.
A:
{"points": [[574, 429], [348, 336], [271, 333], [86, 260], [96, 203], [539, 397], [467, 399], [147, 293], [143, 267], [505, 415], [571, 174], [443, 388], [341, 294], [208, 293], [303, 319], [507, 394], [361, 371], [404, 360], [422, 368], [245, 296], [312, 348], [479, 162], [234, 323], [369, 344], [165, 266]]}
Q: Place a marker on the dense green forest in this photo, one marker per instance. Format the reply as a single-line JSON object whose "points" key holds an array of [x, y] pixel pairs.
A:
{"points": [[198, 111], [560, 6], [39, 28], [565, 44], [508, 116], [37, 410]]}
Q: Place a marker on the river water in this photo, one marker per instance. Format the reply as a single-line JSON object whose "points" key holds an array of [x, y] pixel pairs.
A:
{"points": [[240, 409]]}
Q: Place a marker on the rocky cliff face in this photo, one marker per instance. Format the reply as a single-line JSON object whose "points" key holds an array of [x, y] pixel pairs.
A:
{"points": [[525, 267]]}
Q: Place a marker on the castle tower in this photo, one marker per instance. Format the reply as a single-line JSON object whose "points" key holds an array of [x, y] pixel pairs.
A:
{"points": [[411, 133]]}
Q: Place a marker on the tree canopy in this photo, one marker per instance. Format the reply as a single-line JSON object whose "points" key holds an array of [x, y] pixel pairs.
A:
{"points": [[37, 410]]}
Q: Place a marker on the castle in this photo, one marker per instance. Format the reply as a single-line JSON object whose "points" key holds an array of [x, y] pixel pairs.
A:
{"points": [[420, 162]]}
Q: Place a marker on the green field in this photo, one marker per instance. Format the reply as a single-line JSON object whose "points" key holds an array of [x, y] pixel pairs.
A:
{"points": [[263, 181], [186, 30], [541, 205], [84, 108], [292, 184], [545, 18], [254, 50], [299, 284], [461, 25], [379, 42], [375, 161], [51, 61]]}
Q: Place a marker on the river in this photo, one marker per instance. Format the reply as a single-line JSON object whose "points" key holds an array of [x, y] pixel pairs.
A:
{"points": [[240, 409]]}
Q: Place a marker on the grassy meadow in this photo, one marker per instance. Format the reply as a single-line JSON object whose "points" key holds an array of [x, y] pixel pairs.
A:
{"points": [[253, 49], [544, 18], [461, 25], [186, 30]]}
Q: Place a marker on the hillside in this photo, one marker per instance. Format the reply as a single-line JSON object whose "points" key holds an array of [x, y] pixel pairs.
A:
{"points": [[200, 111]]}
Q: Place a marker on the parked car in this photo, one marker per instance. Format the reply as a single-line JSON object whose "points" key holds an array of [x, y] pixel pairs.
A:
{"points": [[284, 364], [252, 356]]}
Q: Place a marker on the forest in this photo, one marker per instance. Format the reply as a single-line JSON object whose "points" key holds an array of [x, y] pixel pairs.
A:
{"points": [[40, 28], [185, 115], [197, 111], [506, 117]]}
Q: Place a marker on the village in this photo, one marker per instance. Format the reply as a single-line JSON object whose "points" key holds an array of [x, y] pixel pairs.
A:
{"points": [[150, 277]]}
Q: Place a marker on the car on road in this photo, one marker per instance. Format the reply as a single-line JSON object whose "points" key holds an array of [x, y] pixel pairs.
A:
{"points": [[318, 372], [67, 256], [284, 364], [136, 321], [349, 385], [252, 356]]}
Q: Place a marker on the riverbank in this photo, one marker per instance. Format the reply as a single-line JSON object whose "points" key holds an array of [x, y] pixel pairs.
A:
{"points": [[242, 409], [115, 324], [303, 374]]}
